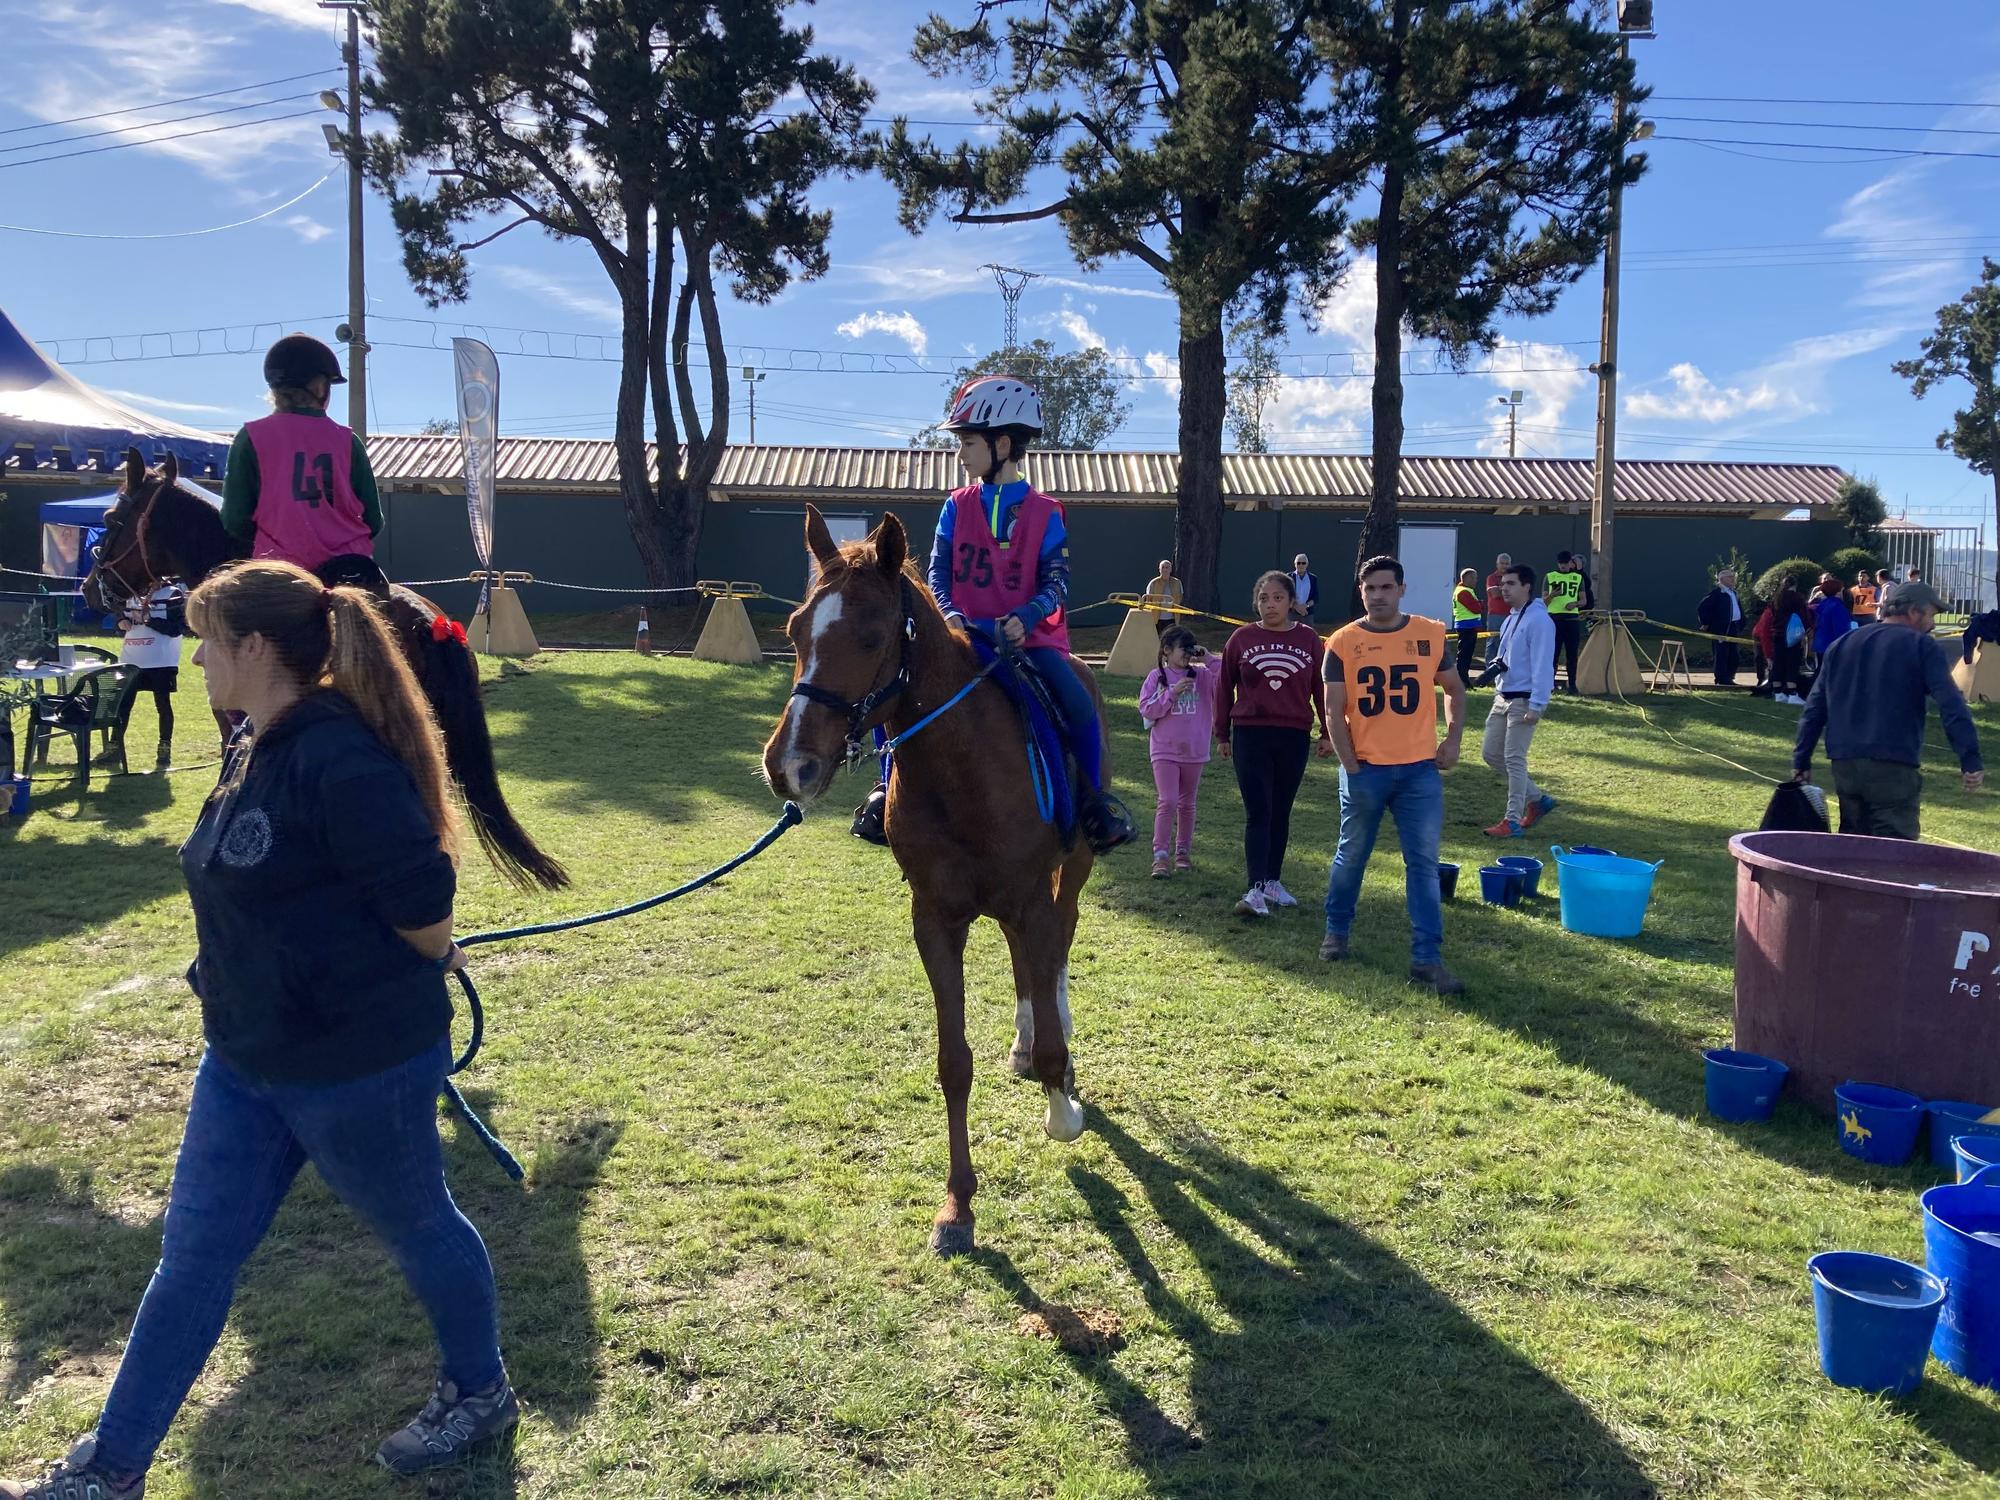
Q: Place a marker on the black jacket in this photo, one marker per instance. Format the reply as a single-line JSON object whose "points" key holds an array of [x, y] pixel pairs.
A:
{"points": [[1713, 612], [300, 877]]}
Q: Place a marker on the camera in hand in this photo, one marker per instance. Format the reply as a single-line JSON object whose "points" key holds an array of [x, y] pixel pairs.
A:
{"points": [[1489, 674]]}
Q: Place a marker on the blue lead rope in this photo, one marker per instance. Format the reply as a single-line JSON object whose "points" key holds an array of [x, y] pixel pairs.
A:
{"points": [[790, 818]]}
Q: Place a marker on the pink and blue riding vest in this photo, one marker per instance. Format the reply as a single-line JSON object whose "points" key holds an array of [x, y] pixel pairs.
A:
{"points": [[307, 510], [992, 578]]}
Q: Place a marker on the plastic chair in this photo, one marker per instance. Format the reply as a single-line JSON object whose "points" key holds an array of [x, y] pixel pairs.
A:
{"points": [[96, 702]]}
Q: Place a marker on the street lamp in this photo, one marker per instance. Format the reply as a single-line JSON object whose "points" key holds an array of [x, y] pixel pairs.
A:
{"points": [[1512, 401], [751, 377]]}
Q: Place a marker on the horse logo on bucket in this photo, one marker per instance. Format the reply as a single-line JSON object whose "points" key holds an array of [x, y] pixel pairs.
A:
{"points": [[1850, 1124]]}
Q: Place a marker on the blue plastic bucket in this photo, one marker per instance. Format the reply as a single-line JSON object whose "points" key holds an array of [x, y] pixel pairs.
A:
{"points": [[17, 796], [1972, 1152], [1447, 880], [1530, 868], [1741, 1085], [1950, 1117], [1962, 1247], [1877, 1123], [1876, 1318], [1499, 886], [1591, 849], [1603, 895]]}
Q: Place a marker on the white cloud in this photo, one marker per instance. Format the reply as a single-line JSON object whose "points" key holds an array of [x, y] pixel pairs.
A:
{"points": [[1889, 220], [160, 403], [306, 228], [900, 325], [292, 12], [1348, 313], [1692, 397], [1548, 381], [1318, 411], [561, 293], [1077, 326]]}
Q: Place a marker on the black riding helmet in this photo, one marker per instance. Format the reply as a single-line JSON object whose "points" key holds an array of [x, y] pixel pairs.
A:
{"points": [[298, 358]]}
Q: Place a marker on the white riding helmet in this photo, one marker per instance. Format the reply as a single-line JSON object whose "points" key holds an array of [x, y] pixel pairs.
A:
{"points": [[994, 402]]}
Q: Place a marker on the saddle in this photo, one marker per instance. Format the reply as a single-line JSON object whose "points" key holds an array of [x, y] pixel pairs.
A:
{"points": [[1046, 731], [355, 570]]}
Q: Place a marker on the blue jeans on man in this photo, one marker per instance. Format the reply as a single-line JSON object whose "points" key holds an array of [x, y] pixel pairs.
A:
{"points": [[1413, 795]]}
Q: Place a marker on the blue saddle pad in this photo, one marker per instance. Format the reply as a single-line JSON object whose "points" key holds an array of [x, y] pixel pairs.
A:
{"points": [[1045, 737]]}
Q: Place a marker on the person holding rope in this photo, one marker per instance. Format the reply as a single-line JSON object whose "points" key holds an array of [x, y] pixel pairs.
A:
{"points": [[322, 875], [1000, 564], [297, 485]]}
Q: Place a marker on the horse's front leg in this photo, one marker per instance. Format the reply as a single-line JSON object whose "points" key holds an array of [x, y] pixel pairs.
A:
{"points": [[941, 945], [1041, 974]]}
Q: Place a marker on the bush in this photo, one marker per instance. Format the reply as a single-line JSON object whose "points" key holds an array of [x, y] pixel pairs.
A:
{"points": [[1804, 569], [1848, 561]]}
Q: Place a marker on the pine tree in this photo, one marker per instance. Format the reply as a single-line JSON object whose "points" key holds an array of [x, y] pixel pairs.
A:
{"points": [[644, 129], [1965, 346], [1253, 379]]}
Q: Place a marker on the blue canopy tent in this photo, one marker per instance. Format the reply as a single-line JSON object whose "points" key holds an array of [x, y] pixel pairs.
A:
{"points": [[50, 419]]}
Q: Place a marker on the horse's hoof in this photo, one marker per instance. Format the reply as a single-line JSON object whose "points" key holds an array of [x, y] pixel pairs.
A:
{"points": [[949, 1239], [1022, 1063], [1064, 1121]]}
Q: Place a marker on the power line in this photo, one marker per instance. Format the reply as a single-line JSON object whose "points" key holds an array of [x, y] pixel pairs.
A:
{"points": [[158, 140], [1728, 140], [130, 109], [178, 234], [92, 135], [1845, 103], [1817, 124]]}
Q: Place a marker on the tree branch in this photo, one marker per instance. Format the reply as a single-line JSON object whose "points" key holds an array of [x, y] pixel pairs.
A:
{"points": [[1023, 217], [476, 244]]}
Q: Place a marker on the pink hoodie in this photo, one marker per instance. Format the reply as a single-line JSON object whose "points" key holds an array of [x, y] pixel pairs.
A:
{"points": [[1182, 728]]}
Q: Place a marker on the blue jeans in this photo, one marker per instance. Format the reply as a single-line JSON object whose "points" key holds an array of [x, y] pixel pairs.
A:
{"points": [[1414, 795], [375, 1143]]}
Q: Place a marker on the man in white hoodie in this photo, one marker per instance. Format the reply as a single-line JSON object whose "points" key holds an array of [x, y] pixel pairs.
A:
{"points": [[1524, 671]]}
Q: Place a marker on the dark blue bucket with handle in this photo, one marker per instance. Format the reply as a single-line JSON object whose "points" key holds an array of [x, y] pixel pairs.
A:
{"points": [[1499, 886], [1972, 1152], [1962, 1248], [1530, 868], [1950, 1117], [1876, 1317], [1741, 1085], [1877, 1123], [1447, 880]]}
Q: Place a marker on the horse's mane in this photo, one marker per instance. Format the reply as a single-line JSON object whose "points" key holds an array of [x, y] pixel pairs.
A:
{"points": [[199, 537]]}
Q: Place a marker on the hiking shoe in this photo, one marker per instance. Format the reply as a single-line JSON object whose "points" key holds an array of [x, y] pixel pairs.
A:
{"points": [[868, 817], [1437, 977], [77, 1477], [1506, 828], [449, 1427], [1252, 904], [1276, 894], [1182, 862], [1161, 869], [1536, 811], [1105, 822], [1333, 947]]}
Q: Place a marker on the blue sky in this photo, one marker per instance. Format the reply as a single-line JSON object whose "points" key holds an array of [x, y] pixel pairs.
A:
{"points": [[1767, 288]]}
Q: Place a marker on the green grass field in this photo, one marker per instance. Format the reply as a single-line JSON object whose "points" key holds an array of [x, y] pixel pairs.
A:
{"points": [[1325, 1234]]}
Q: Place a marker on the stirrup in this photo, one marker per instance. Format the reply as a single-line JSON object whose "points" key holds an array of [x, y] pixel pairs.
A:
{"points": [[867, 823], [1107, 823]]}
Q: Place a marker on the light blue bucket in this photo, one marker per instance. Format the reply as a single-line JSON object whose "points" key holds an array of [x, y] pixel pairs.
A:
{"points": [[1603, 895]]}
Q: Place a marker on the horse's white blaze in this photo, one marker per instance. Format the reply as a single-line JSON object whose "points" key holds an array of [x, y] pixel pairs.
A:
{"points": [[1064, 1121], [825, 615]]}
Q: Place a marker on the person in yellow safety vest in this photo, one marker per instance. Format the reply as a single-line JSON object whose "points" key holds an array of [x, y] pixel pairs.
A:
{"points": [[1466, 617], [1562, 591], [1864, 595]]}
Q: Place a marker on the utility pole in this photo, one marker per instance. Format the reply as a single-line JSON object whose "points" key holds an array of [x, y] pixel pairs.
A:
{"points": [[1512, 401], [1013, 281], [355, 331], [751, 376], [1635, 18]]}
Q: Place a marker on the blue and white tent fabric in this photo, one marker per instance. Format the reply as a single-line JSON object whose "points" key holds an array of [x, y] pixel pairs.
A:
{"points": [[48, 416]]}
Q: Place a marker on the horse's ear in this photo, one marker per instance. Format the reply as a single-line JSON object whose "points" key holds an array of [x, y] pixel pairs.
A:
{"points": [[819, 541], [170, 470], [892, 544], [135, 469]]}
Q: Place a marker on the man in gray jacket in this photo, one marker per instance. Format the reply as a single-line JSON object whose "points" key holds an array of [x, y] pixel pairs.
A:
{"points": [[1523, 665], [1869, 701]]}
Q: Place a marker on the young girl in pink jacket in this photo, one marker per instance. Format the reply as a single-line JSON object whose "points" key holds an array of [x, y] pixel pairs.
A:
{"points": [[1178, 702]]}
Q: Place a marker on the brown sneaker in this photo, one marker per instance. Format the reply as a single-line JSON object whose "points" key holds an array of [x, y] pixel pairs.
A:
{"points": [[1333, 947], [1161, 869], [1437, 977]]}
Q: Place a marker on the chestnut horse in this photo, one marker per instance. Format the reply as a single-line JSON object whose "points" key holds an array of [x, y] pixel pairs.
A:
{"points": [[874, 649], [157, 531]]}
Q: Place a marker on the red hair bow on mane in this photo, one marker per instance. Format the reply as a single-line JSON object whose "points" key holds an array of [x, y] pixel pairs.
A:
{"points": [[444, 628]]}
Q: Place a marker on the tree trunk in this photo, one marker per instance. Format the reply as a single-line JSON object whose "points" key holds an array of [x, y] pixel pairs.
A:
{"points": [[1379, 529], [1198, 497], [652, 536]]}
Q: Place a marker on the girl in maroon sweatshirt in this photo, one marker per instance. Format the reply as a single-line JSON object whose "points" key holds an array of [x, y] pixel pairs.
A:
{"points": [[1269, 700]]}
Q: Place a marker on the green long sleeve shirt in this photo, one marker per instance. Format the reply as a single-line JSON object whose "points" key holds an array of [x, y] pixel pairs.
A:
{"points": [[241, 482]]}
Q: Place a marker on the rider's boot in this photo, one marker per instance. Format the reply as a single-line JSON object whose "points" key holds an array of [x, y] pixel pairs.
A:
{"points": [[1105, 821], [868, 817]]}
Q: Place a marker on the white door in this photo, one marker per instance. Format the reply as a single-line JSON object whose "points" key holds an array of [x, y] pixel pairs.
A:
{"points": [[1429, 555]]}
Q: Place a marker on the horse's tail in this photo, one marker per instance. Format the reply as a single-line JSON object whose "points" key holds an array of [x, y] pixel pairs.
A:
{"points": [[449, 677]]}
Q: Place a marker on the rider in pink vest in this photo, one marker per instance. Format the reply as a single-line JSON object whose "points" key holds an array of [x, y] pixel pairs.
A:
{"points": [[297, 486], [1000, 565]]}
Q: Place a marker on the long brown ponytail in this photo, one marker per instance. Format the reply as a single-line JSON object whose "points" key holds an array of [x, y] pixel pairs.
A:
{"points": [[335, 638]]}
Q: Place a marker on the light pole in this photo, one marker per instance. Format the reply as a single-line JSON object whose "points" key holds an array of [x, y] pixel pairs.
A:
{"points": [[1512, 401], [1635, 19], [355, 331], [751, 377]]}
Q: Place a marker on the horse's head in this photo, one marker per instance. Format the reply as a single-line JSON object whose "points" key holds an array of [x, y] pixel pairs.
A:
{"points": [[119, 567], [854, 636]]}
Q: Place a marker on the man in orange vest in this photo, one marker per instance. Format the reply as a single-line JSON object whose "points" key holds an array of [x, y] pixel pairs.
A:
{"points": [[1864, 596]]}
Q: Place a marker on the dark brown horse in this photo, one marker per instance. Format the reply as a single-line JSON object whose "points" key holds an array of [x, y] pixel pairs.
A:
{"points": [[158, 531], [873, 649]]}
